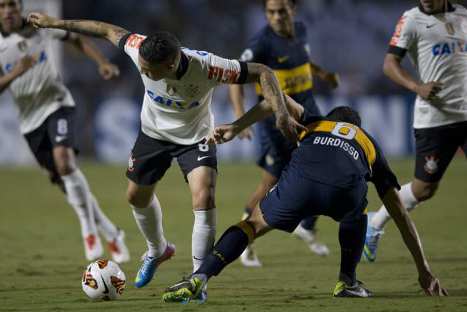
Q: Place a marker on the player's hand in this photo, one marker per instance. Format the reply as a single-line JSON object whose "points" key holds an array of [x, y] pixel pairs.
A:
{"points": [[108, 71], [246, 134], [431, 285], [289, 127], [40, 20], [429, 90], [25, 64], [222, 134], [332, 79]]}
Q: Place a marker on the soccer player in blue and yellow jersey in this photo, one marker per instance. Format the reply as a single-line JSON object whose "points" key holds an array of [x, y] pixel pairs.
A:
{"points": [[282, 46], [327, 175]]}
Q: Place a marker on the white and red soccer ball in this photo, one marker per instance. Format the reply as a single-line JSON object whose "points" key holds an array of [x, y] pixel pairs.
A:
{"points": [[103, 280]]}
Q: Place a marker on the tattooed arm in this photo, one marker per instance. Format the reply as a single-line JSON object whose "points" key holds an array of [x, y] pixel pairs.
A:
{"points": [[273, 95], [86, 27]]}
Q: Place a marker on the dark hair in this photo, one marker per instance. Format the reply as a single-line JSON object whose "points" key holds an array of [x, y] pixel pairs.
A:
{"points": [[159, 47], [345, 114], [292, 2]]}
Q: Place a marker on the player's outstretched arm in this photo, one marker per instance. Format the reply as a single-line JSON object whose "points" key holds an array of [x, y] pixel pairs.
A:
{"points": [[86, 27], [237, 99], [272, 94], [394, 70], [226, 133], [106, 69], [428, 282]]}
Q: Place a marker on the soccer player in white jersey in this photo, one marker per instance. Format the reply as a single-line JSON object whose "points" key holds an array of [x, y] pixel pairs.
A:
{"points": [[46, 118], [175, 120], [434, 34]]}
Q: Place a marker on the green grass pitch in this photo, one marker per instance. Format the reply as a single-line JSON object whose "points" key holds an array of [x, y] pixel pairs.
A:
{"points": [[41, 253]]}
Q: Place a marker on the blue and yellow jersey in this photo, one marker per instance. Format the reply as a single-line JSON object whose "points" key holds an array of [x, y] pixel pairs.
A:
{"points": [[342, 154], [288, 57]]}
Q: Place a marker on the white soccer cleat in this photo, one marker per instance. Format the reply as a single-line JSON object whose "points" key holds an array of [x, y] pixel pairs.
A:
{"points": [[249, 258], [93, 247], [118, 248], [319, 249], [309, 238]]}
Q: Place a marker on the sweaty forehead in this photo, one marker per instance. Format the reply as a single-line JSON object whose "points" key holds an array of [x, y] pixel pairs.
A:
{"points": [[276, 4]]}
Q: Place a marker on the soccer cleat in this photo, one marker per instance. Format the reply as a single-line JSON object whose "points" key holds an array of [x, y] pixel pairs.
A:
{"points": [[185, 290], [249, 258], [309, 237], [92, 247], [202, 296], [371, 240], [355, 291], [118, 249], [150, 264]]}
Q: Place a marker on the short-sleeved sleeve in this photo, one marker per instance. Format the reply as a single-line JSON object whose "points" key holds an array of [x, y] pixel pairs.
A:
{"points": [[404, 36], [130, 44], [255, 52], [221, 70], [382, 176]]}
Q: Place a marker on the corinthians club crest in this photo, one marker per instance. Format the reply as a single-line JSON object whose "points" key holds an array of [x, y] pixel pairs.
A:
{"points": [[431, 164]]}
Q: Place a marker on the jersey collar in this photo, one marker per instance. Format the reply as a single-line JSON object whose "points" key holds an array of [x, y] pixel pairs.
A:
{"points": [[451, 8], [183, 66]]}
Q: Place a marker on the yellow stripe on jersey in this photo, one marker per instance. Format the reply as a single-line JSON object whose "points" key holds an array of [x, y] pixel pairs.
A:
{"points": [[294, 80], [342, 130]]}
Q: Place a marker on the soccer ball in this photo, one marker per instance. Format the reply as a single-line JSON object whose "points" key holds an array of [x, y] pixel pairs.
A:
{"points": [[103, 279]]}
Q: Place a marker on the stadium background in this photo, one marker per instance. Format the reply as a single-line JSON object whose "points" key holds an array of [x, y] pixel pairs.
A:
{"points": [[349, 37], [40, 245]]}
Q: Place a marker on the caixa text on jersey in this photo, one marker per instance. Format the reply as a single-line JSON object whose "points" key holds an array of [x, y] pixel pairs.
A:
{"points": [[171, 103], [449, 47], [42, 58]]}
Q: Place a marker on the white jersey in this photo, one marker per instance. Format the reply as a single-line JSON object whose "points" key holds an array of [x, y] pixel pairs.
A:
{"points": [[179, 111], [437, 46], [39, 92]]}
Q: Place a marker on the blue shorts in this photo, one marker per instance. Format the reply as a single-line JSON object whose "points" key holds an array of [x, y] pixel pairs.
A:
{"points": [[275, 149], [296, 197]]}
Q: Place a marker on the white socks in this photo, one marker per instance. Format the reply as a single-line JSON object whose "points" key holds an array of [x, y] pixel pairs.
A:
{"points": [[204, 235], [105, 226], [149, 221], [381, 217], [78, 195]]}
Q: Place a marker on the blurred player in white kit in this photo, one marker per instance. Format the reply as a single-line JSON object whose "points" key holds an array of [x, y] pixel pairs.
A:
{"points": [[434, 34], [46, 113]]}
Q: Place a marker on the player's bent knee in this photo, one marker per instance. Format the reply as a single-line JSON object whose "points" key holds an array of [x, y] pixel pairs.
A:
{"points": [[64, 160], [425, 191], [204, 199], [138, 199]]}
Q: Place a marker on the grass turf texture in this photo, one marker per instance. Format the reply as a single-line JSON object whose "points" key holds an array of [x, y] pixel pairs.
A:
{"points": [[42, 254]]}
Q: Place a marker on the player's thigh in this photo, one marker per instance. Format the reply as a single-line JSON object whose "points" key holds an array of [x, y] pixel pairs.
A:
{"points": [[64, 159], [287, 203], [62, 135], [198, 163], [435, 148], [41, 147], [202, 183], [149, 160], [139, 195]]}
